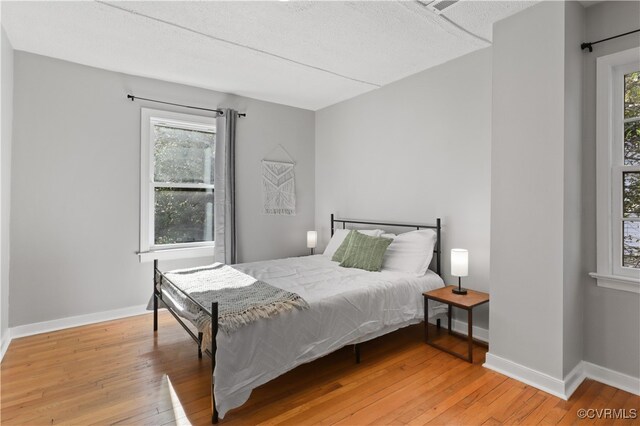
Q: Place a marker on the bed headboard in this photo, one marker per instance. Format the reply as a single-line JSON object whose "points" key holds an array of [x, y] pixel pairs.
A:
{"points": [[437, 250]]}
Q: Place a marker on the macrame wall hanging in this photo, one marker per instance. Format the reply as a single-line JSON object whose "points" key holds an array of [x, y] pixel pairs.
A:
{"points": [[278, 186]]}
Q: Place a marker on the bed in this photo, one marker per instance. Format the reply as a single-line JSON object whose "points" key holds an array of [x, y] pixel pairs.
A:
{"points": [[346, 306]]}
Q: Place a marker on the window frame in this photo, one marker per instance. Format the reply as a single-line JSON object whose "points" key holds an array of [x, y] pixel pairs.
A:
{"points": [[148, 249], [610, 169]]}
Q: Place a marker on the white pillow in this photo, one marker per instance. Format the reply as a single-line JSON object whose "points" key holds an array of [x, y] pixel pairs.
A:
{"points": [[340, 234], [410, 252]]}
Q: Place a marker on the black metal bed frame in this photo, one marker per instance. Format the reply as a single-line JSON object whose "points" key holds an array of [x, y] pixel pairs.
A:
{"points": [[159, 279], [438, 227]]}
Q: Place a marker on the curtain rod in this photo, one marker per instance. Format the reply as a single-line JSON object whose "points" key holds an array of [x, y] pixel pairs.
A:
{"points": [[590, 45], [133, 98]]}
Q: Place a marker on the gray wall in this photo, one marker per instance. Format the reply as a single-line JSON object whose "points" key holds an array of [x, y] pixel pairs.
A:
{"points": [[6, 111], [412, 151], [573, 289], [75, 187], [527, 194], [612, 317]]}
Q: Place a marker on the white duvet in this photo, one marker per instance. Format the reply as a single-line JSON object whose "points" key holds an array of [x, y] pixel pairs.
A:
{"points": [[346, 306]]}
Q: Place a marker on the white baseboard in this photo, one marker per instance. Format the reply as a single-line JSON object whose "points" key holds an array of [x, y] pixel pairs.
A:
{"points": [[4, 344], [526, 375], [481, 334], [563, 388], [612, 378], [460, 327], [76, 321], [574, 379], [69, 322]]}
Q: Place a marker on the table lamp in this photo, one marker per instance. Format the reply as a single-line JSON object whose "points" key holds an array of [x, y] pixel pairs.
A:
{"points": [[312, 240], [459, 268]]}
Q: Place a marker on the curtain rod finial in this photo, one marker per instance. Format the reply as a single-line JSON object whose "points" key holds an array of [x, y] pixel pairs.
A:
{"points": [[587, 46]]}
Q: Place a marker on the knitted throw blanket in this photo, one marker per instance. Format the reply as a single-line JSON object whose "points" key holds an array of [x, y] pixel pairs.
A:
{"points": [[241, 298]]}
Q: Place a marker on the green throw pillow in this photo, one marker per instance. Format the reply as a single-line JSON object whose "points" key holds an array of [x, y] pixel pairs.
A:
{"points": [[338, 256], [365, 252]]}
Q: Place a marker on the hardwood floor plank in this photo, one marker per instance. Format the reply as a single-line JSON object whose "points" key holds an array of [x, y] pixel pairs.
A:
{"points": [[509, 392], [453, 414], [408, 394], [339, 407], [121, 373]]}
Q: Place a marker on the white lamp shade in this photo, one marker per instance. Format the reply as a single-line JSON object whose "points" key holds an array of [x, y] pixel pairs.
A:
{"points": [[312, 239], [459, 262]]}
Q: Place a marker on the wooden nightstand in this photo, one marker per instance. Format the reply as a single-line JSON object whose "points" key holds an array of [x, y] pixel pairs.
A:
{"points": [[467, 302]]}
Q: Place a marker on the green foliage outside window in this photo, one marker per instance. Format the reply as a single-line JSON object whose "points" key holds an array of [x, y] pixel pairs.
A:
{"points": [[631, 180], [183, 213]]}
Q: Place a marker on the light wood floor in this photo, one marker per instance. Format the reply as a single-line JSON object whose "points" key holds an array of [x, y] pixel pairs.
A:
{"points": [[117, 372]]}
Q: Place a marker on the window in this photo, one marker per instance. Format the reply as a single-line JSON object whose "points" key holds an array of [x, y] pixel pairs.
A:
{"points": [[630, 169], [618, 171], [177, 185]]}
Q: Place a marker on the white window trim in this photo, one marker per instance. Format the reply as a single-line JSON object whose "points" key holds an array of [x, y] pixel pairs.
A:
{"points": [[148, 252], [608, 189]]}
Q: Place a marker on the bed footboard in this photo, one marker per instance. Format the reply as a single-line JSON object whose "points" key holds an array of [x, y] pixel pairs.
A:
{"points": [[155, 295], [214, 348], [158, 280]]}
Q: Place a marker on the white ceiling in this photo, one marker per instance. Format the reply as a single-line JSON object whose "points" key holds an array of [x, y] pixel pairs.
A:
{"points": [[308, 54]]}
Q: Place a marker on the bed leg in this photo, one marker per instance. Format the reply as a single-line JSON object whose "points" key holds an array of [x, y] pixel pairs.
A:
{"points": [[214, 348], [356, 349], [155, 296], [155, 313], [200, 345]]}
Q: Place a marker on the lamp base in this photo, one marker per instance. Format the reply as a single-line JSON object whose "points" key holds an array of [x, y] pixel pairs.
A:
{"points": [[457, 290]]}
